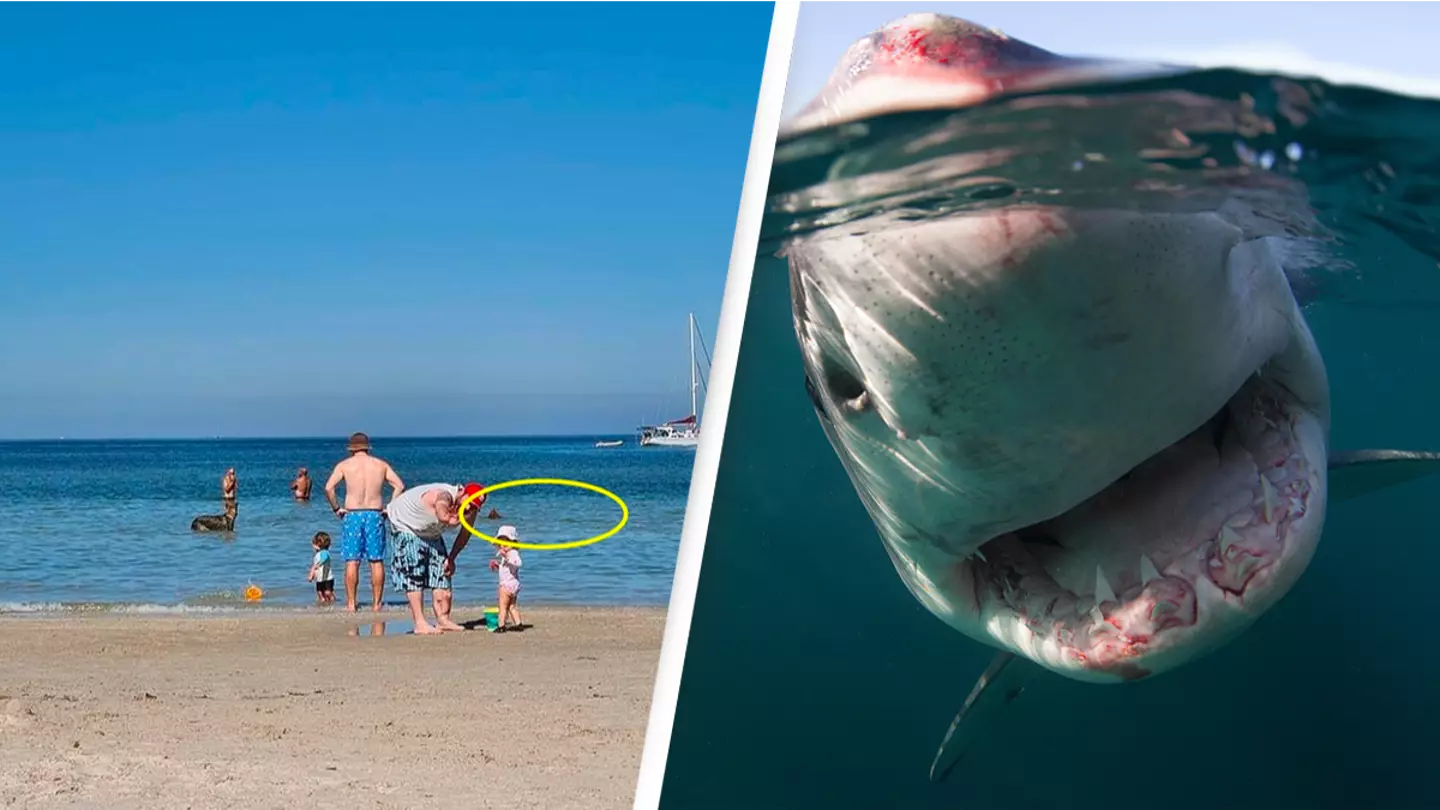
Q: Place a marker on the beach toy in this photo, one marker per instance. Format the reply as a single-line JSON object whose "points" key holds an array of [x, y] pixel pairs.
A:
{"points": [[253, 593], [492, 618]]}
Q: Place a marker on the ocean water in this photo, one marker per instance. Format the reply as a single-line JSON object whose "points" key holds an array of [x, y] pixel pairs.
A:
{"points": [[814, 679], [106, 524]]}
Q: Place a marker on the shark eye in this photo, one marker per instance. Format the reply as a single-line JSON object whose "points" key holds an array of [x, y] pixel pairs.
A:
{"points": [[841, 384], [837, 384]]}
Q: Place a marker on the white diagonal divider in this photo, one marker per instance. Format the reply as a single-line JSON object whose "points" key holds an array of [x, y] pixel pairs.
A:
{"points": [[717, 405]]}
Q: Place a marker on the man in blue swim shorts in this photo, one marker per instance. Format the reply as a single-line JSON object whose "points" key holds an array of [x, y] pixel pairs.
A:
{"points": [[362, 528]]}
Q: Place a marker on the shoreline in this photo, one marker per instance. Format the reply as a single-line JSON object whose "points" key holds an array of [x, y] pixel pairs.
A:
{"points": [[286, 707], [70, 610]]}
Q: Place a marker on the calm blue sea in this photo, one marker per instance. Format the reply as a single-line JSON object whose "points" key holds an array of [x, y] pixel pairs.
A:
{"points": [[92, 523], [814, 679]]}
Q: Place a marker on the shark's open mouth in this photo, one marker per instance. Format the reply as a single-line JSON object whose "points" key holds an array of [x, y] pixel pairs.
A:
{"points": [[1209, 520]]}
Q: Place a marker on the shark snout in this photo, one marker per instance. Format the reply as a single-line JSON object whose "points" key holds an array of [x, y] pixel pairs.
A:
{"points": [[950, 47], [927, 61]]}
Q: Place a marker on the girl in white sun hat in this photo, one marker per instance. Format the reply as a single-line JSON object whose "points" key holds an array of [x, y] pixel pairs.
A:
{"points": [[507, 565]]}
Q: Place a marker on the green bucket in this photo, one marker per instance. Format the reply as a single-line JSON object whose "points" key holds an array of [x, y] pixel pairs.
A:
{"points": [[492, 618]]}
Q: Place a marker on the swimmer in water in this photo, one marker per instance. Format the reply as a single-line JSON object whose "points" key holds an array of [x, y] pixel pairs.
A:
{"points": [[300, 487]]}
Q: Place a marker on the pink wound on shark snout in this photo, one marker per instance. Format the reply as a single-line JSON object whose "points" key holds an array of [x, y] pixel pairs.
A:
{"points": [[958, 45], [915, 45]]}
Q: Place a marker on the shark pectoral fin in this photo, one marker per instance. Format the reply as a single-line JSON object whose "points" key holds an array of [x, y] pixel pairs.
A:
{"points": [[1002, 682], [1363, 471]]}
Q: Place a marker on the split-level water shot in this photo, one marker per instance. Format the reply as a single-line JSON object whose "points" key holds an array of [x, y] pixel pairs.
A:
{"points": [[1084, 419]]}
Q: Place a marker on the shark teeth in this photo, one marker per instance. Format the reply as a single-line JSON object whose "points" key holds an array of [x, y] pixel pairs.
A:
{"points": [[1103, 591], [1008, 591], [1148, 572], [1228, 538], [1098, 617], [1267, 491]]}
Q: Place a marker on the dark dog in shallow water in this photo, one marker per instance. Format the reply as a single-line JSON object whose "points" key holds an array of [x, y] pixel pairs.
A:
{"points": [[216, 523]]}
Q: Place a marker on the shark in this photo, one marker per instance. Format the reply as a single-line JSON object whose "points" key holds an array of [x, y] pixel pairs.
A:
{"points": [[1096, 440]]}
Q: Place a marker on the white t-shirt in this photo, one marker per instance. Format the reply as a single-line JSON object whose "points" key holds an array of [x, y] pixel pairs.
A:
{"points": [[409, 513]]}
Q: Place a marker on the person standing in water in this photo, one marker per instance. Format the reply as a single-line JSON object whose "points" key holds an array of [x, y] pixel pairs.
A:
{"points": [[362, 527], [229, 486], [300, 487], [320, 572]]}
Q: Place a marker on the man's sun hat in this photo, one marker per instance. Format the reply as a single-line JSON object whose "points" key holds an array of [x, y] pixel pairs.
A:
{"points": [[507, 533]]}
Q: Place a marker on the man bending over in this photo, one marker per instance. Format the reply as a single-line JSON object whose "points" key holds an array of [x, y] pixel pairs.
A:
{"points": [[418, 520]]}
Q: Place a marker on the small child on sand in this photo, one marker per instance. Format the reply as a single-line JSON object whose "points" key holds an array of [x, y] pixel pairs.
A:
{"points": [[507, 565], [320, 572]]}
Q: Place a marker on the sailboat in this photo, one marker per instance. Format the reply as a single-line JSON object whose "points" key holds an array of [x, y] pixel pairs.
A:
{"points": [[679, 432]]}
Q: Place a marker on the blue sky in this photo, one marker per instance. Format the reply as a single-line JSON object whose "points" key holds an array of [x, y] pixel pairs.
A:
{"points": [[294, 219], [1387, 44]]}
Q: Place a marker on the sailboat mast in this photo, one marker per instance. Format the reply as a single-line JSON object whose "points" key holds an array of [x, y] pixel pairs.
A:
{"points": [[694, 377]]}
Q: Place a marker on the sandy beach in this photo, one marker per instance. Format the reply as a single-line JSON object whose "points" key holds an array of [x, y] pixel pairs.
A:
{"points": [[291, 710]]}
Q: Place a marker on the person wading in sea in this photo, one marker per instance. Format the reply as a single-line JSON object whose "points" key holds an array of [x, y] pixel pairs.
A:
{"points": [[300, 487], [362, 528], [229, 486]]}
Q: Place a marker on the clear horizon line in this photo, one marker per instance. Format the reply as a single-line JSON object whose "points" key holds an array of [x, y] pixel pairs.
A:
{"points": [[298, 437], [161, 394]]}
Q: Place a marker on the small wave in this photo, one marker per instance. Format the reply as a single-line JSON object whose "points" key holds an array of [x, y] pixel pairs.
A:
{"points": [[70, 608]]}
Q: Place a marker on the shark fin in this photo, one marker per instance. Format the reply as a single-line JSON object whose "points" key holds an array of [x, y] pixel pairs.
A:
{"points": [[1002, 682], [1360, 472]]}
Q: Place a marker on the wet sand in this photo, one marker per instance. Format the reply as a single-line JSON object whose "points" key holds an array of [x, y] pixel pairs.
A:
{"points": [[291, 710]]}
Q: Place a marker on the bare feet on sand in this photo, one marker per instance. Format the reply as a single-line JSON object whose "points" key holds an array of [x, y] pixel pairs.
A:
{"points": [[448, 625], [427, 630]]}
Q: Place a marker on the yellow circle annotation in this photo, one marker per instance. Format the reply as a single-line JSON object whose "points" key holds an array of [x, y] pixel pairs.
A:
{"points": [[560, 482]]}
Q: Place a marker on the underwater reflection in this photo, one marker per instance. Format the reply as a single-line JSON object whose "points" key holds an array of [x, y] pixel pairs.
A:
{"points": [[396, 627]]}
